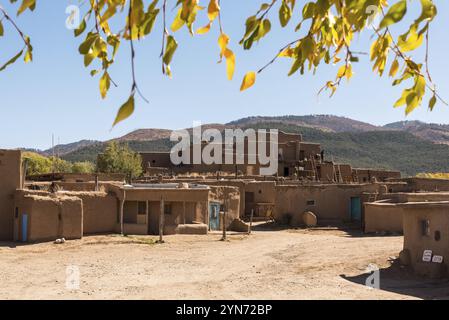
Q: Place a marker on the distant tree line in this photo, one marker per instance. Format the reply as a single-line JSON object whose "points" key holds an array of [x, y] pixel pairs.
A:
{"points": [[117, 158]]}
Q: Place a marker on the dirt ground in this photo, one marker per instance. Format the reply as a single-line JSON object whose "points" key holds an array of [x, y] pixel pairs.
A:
{"points": [[284, 264]]}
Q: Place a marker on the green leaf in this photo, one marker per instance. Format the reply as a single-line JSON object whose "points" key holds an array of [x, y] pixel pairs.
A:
{"points": [[308, 10], [126, 110], [2, 31], [81, 28], [432, 102], [395, 14], [26, 4], [11, 61], [285, 13], [429, 11], [170, 49], [88, 43]]}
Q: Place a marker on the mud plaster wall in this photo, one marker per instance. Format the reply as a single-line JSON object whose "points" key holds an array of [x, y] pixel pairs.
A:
{"points": [[415, 241], [100, 211], [195, 212], [332, 202], [218, 194], [383, 217], [50, 218], [424, 184], [10, 180]]}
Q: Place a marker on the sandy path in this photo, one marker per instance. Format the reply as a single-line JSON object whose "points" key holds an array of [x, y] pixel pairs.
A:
{"points": [[292, 264]]}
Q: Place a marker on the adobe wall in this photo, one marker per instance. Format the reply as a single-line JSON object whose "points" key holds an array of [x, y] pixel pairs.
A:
{"points": [[414, 239], [10, 180], [332, 202], [194, 213], [232, 195], [49, 217], [310, 149], [100, 211], [426, 184], [383, 217]]}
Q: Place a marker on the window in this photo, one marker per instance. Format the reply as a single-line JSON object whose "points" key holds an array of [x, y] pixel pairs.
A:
{"points": [[310, 202], [437, 236], [425, 227], [167, 208], [142, 207]]}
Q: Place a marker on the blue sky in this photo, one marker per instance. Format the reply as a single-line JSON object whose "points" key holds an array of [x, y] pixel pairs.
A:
{"points": [[56, 95]]}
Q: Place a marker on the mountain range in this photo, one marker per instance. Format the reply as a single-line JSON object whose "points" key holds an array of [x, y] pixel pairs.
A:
{"points": [[408, 146]]}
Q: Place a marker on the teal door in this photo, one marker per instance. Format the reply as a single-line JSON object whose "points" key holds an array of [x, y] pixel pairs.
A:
{"points": [[214, 216], [24, 227], [356, 209]]}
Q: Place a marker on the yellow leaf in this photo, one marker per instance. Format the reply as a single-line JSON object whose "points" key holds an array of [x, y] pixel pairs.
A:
{"points": [[410, 40], [178, 22], [349, 72], [213, 10], [204, 29], [341, 72], [105, 83], [223, 41], [289, 53], [394, 68], [126, 110], [248, 81], [230, 63]]}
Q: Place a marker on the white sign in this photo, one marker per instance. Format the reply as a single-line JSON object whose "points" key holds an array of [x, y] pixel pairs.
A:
{"points": [[437, 259], [427, 256]]}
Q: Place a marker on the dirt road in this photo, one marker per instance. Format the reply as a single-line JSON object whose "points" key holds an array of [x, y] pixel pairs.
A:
{"points": [[287, 264]]}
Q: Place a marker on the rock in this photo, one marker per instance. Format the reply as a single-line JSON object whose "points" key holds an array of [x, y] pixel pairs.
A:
{"points": [[404, 257], [309, 219]]}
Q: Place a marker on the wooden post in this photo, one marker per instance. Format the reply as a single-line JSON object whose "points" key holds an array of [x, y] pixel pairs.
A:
{"points": [[225, 208], [122, 208], [161, 221], [147, 214], [96, 183], [251, 221], [223, 222], [183, 212]]}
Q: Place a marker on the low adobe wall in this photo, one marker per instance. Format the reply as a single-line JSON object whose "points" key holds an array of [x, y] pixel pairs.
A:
{"points": [[49, 218], [100, 211], [383, 217]]}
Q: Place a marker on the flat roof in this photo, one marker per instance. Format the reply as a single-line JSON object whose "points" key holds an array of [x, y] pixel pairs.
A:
{"points": [[164, 186]]}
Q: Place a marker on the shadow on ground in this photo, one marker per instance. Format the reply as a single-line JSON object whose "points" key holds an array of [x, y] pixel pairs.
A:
{"points": [[400, 279], [348, 229]]}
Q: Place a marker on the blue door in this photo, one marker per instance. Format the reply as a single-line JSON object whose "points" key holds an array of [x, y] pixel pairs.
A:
{"points": [[24, 227], [356, 209], [214, 216]]}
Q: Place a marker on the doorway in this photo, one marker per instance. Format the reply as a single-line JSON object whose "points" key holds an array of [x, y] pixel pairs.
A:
{"points": [[356, 209], [214, 216]]}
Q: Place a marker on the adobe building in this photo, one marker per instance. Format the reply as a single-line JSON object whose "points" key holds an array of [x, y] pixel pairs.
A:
{"points": [[426, 234], [296, 159], [10, 180]]}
